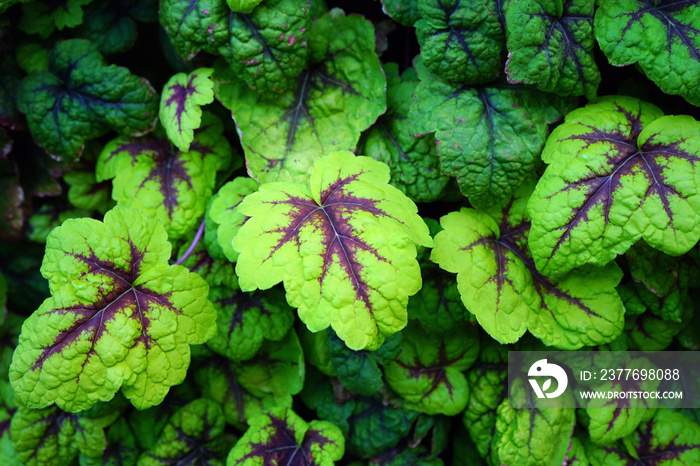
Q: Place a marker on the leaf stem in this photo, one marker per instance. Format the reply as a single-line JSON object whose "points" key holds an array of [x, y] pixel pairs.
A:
{"points": [[196, 239]]}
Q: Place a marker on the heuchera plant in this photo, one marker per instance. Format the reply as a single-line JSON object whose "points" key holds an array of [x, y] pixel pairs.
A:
{"points": [[308, 232]]}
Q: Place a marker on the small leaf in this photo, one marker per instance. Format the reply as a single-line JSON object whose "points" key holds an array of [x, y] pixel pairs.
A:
{"points": [[44, 16], [223, 220]]}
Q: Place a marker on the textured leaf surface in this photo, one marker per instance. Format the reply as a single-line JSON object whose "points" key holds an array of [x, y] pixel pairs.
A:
{"points": [[413, 160], [618, 171], [282, 437], [339, 96], [344, 247], [662, 37], [119, 316], [499, 283], [44, 17], [461, 41], [428, 372], [81, 98], [120, 450], [173, 186], [243, 6], [375, 427], [550, 44], [180, 103], [489, 138], [223, 220], [217, 273], [402, 11]]}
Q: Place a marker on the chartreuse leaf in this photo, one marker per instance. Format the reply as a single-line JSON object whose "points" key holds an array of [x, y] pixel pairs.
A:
{"points": [[193, 435], [81, 98], [428, 372], [243, 6], [217, 273], [618, 171], [339, 96], [180, 103], [402, 11], [265, 47], [344, 245], [550, 44], [489, 138], [280, 436], [43, 221], [499, 283], [119, 316], [413, 160], [668, 439], [120, 449], [461, 41], [84, 191], [530, 435], [246, 319], [662, 37], [172, 186], [51, 436], [44, 16], [223, 220]]}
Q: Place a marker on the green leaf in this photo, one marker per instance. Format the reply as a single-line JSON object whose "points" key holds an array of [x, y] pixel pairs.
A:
{"points": [[111, 26], [461, 41], [339, 96], [193, 435], [80, 98], [170, 185], [405, 12], [84, 191], [550, 44], [662, 37], [319, 395], [280, 435], [376, 427], [344, 246], [618, 171], [180, 103], [10, 117], [217, 273], [413, 160], [243, 6], [120, 450], [223, 220], [648, 332], [428, 372], [246, 319], [44, 16], [499, 283], [46, 219], [489, 138], [119, 316]]}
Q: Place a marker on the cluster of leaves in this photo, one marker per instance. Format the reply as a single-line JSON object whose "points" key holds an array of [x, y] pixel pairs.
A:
{"points": [[425, 187]]}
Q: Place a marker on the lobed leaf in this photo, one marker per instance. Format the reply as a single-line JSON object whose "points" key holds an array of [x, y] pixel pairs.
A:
{"points": [[44, 16], [223, 220]]}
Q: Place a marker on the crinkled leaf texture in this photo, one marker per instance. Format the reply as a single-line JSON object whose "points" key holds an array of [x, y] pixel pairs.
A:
{"points": [[119, 316], [499, 283], [44, 16], [80, 98], [461, 41], [344, 245], [402, 11], [243, 6], [282, 437], [170, 185], [662, 37], [550, 44], [223, 220], [180, 105], [428, 372], [618, 171], [339, 96], [266, 47], [120, 450], [490, 137]]}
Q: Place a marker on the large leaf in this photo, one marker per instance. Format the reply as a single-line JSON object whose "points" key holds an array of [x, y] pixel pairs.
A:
{"points": [[44, 16], [172, 186], [550, 44], [282, 437], [461, 41], [662, 37], [499, 283], [344, 246], [489, 138], [119, 316], [339, 96], [618, 171], [402, 11], [81, 98]]}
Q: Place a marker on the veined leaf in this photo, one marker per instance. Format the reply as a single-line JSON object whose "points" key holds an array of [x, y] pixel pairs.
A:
{"points": [[618, 171], [180, 111], [81, 98], [120, 449], [662, 37], [344, 246], [243, 6], [172, 186], [550, 44], [499, 283], [119, 316], [339, 96]]}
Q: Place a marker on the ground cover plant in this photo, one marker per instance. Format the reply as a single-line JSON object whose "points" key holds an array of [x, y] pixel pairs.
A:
{"points": [[305, 232]]}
